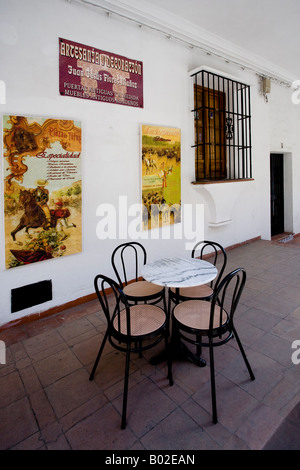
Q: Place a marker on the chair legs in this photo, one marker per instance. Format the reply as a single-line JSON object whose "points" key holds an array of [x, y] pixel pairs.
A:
{"points": [[213, 382], [169, 359], [198, 347], [125, 393], [126, 378]]}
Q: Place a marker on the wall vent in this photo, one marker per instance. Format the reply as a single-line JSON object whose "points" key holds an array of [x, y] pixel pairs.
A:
{"points": [[30, 295]]}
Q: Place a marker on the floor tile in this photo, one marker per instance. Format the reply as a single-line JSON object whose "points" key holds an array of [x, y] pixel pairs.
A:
{"points": [[47, 401]]}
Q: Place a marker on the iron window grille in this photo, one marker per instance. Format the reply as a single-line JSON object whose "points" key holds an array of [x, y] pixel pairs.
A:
{"points": [[222, 121]]}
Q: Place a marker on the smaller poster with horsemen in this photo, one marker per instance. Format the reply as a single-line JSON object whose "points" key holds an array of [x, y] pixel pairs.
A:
{"points": [[161, 177], [42, 189]]}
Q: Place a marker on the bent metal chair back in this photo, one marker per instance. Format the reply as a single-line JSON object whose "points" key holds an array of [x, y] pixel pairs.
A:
{"points": [[217, 255], [211, 324], [131, 329], [127, 260]]}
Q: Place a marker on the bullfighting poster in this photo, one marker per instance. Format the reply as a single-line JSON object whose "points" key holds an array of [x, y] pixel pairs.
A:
{"points": [[42, 189], [161, 179]]}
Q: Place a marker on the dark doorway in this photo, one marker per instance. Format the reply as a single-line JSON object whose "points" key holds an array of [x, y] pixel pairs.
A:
{"points": [[277, 194]]}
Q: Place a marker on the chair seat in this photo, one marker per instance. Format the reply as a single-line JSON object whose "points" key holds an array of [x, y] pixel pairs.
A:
{"points": [[144, 320], [196, 314], [197, 292], [141, 289]]}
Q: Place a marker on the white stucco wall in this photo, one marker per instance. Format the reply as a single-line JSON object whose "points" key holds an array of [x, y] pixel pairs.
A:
{"points": [[284, 114], [29, 33]]}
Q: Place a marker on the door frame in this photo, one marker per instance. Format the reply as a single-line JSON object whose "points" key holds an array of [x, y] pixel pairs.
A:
{"points": [[210, 145]]}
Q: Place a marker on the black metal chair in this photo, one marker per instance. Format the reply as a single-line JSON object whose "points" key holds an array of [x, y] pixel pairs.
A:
{"points": [[127, 260], [201, 250], [210, 324], [131, 329]]}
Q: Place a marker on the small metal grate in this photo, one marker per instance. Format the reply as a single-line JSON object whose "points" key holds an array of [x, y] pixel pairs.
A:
{"points": [[222, 120]]}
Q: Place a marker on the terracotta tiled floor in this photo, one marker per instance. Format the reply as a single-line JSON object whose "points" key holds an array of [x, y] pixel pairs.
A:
{"points": [[48, 402]]}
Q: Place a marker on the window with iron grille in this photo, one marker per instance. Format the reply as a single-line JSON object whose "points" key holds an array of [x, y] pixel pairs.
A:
{"points": [[222, 121]]}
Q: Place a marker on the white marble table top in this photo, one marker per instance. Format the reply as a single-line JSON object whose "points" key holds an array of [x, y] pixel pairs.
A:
{"points": [[179, 272]]}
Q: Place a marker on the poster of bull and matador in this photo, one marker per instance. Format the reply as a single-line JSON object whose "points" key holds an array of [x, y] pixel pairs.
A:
{"points": [[42, 189], [161, 182]]}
